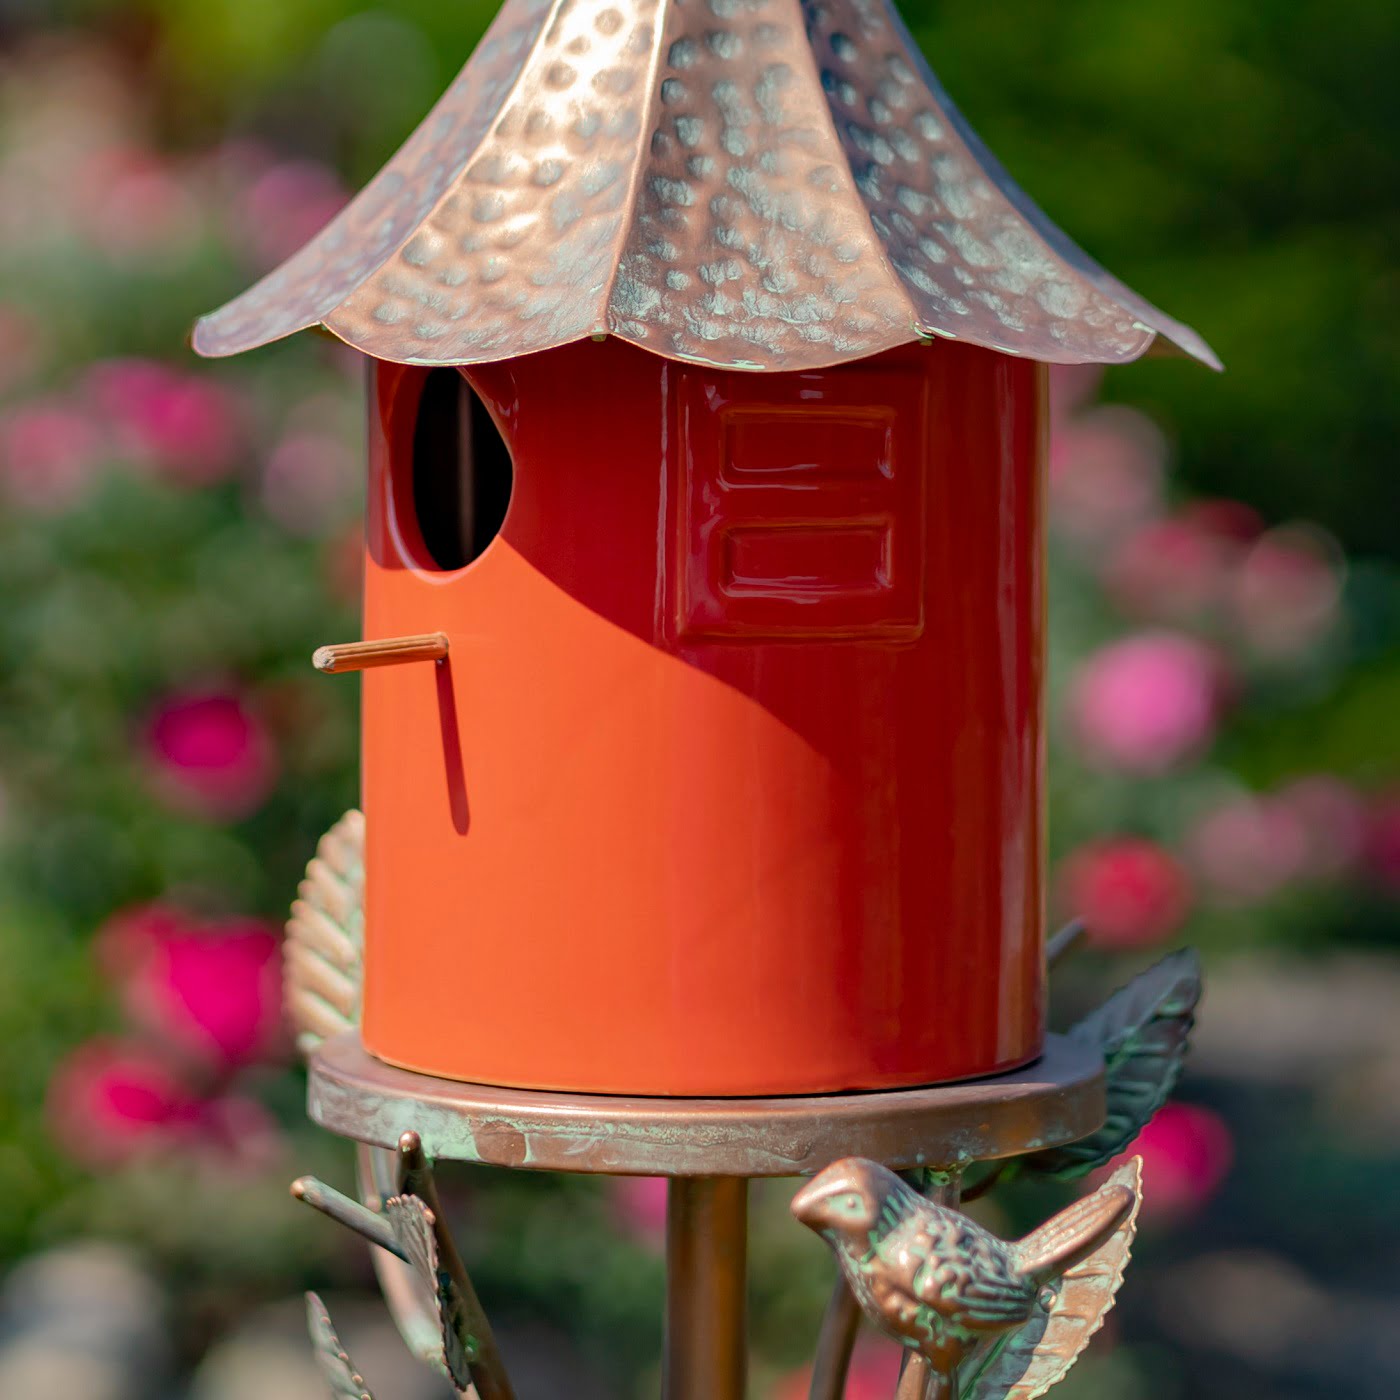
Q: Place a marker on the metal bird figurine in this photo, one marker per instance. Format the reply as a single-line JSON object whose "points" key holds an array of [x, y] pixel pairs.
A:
{"points": [[931, 1277]]}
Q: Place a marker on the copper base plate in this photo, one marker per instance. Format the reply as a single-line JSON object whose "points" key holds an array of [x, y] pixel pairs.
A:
{"points": [[1056, 1100]]}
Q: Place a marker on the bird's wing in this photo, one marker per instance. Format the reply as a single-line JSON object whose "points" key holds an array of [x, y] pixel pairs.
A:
{"points": [[1074, 1234], [969, 1277]]}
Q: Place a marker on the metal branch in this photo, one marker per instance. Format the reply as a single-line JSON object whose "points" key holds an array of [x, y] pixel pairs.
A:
{"points": [[488, 1370], [835, 1342], [1064, 942], [341, 1208]]}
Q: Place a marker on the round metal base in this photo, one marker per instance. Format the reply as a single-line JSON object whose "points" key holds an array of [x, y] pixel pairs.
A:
{"points": [[1056, 1100]]}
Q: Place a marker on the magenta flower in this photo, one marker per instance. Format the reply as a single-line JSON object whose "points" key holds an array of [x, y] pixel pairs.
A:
{"points": [[235, 1133], [1129, 892], [130, 936], [1288, 592], [212, 990], [639, 1207], [1332, 816], [189, 428], [49, 452], [1146, 703], [1383, 842], [1187, 1152], [1106, 469], [210, 754], [111, 1101], [1248, 849]]}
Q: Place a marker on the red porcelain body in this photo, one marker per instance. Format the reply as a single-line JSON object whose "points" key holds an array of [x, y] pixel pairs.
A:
{"points": [[732, 781]]}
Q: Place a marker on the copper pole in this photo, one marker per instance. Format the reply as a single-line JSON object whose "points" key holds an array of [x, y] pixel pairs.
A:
{"points": [[706, 1355], [835, 1342]]}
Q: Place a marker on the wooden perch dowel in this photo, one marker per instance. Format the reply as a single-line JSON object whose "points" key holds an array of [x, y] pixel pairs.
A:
{"points": [[389, 651]]}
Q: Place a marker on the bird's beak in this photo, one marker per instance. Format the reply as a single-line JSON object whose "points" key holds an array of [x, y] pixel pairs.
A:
{"points": [[804, 1203]]}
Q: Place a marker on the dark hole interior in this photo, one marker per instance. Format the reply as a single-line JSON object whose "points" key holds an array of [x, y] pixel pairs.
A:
{"points": [[461, 471]]}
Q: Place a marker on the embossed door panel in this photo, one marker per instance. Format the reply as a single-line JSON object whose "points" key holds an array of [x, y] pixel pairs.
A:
{"points": [[799, 504]]}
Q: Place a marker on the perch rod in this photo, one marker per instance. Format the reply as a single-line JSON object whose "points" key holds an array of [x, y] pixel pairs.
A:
{"points": [[386, 651]]}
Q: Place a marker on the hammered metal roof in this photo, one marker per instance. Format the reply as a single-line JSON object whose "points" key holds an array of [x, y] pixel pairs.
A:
{"points": [[764, 184]]}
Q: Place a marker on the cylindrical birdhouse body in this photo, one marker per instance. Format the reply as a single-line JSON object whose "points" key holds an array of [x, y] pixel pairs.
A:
{"points": [[731, 782]]}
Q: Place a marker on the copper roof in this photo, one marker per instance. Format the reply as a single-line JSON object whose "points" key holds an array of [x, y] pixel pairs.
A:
{"points": [[765, 184]]}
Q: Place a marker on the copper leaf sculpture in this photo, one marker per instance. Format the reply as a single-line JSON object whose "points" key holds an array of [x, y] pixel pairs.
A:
{"points": [[1025, 1364], [345, 1382], [1142, 1030], [416, 1228], [321, 957]]}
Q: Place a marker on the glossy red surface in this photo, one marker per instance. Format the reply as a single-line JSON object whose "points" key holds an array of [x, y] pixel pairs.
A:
{"points": [[732, 781]]}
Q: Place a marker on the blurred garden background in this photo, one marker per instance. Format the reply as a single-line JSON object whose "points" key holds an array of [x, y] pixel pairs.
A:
{"points": [[175, 537]]}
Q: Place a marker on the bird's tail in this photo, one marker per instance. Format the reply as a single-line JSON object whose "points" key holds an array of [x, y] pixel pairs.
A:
{"points": [[1074, 1234]]}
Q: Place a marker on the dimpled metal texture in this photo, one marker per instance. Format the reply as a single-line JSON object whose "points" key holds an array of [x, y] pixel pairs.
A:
{"points": [[756, 184]]}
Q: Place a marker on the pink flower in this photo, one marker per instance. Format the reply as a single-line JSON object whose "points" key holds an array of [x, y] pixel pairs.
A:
{"points": [[1187, 1152], [110, 1101], [873, 1375], [287, 206], [210, 754], [1383, 842], [1332, 816], [214, 990], [235, 1133], [188, 427], [306, 480], [1288, 591], [134, 203], [1129, 892], [1147, 702], [1248, 849], [130, 936], [639, 1207], [1182, 568], [1106, 471], [114, 1102], [49, 452]]}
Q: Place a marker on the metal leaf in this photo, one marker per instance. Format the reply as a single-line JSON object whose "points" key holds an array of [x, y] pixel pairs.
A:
{"points": [[1142, 1030], [416, 1228], [1028, 1362], [345, 1382], [323, 951]]}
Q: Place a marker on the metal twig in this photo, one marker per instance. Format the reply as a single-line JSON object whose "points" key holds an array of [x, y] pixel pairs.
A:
{"points": [[835, 1342], [488, 1370], [1064, 942], [347, 1212]]}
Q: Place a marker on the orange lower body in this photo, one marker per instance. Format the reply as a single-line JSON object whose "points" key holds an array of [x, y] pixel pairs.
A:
{"points": [[680, 814]]}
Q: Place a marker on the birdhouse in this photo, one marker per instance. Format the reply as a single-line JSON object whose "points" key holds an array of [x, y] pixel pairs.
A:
{"points": [[703, 744]]}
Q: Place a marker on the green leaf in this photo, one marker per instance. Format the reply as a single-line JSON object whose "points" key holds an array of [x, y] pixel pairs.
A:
{"points": [[1142, 1031], [1028, 1362], [345, 1382]]}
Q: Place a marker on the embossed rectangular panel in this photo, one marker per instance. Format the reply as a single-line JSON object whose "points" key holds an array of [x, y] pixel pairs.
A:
{"points": [[808, 560], [799, 505]]}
